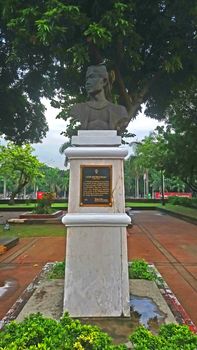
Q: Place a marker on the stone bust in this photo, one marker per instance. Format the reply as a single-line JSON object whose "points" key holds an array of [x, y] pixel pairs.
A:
{"points": [[98, 113]]}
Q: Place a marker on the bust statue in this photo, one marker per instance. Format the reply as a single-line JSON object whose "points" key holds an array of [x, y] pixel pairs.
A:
{"points": [[98, 113]]}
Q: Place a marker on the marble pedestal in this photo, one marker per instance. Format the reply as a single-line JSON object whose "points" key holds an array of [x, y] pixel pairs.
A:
{"points": [[96, 275]]}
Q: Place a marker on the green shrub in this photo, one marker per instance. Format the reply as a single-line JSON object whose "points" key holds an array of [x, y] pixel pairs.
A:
{"points": [[184, 201], [38, 332], [43, 205], [170, 337], [174, 200], [139, 269], [57, 271], [35, 332]]}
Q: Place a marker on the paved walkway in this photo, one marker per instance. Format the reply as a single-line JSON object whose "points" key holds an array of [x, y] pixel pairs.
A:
{"points": [[169, 243]]}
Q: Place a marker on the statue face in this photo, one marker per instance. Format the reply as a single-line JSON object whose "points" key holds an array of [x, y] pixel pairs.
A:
{"points": [[95, 80]]}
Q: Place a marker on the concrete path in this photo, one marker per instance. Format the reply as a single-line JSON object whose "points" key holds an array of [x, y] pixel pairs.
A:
{"points": [[6, 215], [169, 243]]}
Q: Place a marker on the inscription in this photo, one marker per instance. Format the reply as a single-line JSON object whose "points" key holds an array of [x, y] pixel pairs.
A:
{"points": [[96, 185]]}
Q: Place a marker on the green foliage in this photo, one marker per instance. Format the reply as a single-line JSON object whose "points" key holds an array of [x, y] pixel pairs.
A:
{"points": [[33, 333], [46, 47], [151, 153], [184, 201], [170, 337], [21, 113], [99, 35], [18, 164], [54, 180], [57, 271], [129, 176], [173, 148], [139, 269], [38, 332]]}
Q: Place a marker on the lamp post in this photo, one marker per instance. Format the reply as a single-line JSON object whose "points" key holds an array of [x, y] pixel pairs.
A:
{"points": [[4, 188], [137, 186], [135, 143], [162, 188]]}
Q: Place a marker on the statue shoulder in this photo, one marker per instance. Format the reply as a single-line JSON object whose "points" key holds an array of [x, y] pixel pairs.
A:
{"points": [[121, 110], [77, 109]]}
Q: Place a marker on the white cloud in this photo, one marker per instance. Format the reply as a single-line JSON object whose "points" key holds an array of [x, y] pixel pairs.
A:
{"points": [[142, 126], [48, 150]]}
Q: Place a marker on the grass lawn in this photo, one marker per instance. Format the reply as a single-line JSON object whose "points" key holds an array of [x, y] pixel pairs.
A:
{"points": [[65, 205], [24, 230], [60, 205], [28, 206], [174, 208], [136, 204], [190, 212], [32, 206]]}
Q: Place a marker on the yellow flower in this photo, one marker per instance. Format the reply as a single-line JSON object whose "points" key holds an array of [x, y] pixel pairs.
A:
{"points": [[77, 345]]}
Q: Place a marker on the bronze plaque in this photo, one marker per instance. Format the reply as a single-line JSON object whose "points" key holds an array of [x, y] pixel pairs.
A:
{"points": [[96, 185]]}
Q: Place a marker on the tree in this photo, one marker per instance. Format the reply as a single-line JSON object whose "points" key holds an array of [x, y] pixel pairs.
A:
{"points": [[149, 46], [180, 136], [129, 177], [173, 149], [54, 180], [135, 168], [21, 112], [18, 163]]}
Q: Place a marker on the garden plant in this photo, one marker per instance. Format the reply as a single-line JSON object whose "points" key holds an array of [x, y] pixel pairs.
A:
{"points": [[43, 205], [38, 332]]}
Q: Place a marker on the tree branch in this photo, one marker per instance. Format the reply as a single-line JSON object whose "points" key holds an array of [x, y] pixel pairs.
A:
{"points": [[122, 90], [192, 186], [132, 102], [94, 53]]}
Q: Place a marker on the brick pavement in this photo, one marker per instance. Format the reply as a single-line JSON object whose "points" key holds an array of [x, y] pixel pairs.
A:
{"points": [[21, 264], [169, 243]]}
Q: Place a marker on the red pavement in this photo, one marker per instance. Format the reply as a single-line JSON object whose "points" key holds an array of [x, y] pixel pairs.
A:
{"points": [[169, 243], [21, 265]]}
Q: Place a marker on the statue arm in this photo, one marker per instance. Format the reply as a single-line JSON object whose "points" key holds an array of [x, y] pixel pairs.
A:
{"points": [[78, 113], [119, 118], [75, 112], [124, 120]]}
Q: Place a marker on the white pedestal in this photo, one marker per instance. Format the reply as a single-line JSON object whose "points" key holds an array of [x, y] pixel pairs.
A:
{"points": [[96, 275]]}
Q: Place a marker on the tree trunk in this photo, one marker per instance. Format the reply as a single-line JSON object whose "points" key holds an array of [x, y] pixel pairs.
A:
{"points": [[12, 196], [17, 190]]}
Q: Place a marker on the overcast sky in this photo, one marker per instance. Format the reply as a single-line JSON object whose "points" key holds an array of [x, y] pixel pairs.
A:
{"points": [[48, 150]]}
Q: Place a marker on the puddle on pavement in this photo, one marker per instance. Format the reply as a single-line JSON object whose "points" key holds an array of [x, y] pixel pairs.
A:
{"points": [[6, 287], [143, 312], [147, 312]]}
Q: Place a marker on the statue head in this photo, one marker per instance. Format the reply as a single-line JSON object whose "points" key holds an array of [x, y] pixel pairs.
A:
{"points": [[97, 79]]}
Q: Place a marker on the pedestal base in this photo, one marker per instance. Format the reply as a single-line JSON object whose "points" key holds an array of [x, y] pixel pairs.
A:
{"points": [[96, 276]]}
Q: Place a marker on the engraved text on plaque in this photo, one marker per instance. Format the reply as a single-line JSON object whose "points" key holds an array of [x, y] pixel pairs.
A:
{"points": [[96, 185]]}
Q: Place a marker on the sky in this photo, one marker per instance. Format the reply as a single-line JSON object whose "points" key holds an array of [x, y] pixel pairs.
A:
{"points": [[48, 151]]}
